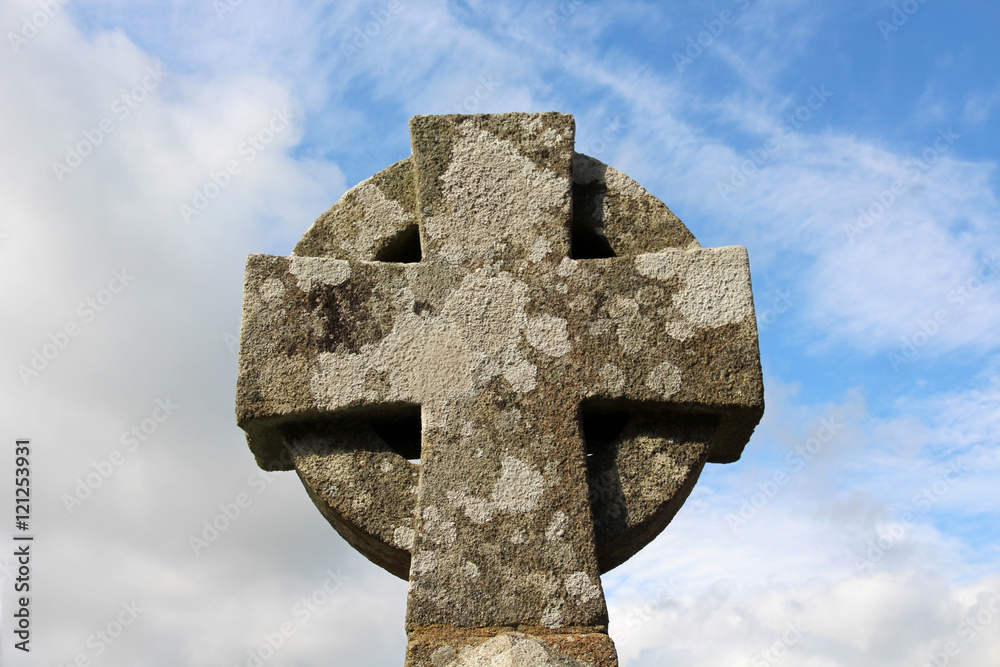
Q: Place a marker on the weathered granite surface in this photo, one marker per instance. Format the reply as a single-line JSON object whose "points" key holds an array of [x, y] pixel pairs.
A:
{"points": [[549, 340]]}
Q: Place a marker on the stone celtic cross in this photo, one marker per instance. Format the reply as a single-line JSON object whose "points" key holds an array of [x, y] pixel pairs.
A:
{"points": [[498, 367]]}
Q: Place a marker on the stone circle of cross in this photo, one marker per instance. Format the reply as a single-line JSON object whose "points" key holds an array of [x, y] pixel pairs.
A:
{"points": [[499, 367]]}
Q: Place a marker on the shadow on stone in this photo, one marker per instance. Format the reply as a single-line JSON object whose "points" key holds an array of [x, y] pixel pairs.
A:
{"points": [[404, 248], [401, 430], [587, 239]]}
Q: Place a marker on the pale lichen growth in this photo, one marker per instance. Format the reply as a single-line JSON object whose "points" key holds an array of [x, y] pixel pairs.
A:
{"points": [[656, 265], [612, 379], [272, 289], [508, 650], [548, 334], [519, 487], [580, 586], [311, 270], [716, 283], [557, 528], [566, 268], [424, 562], [680, 330], [664, 380], [436, 529], [539, 249], [403, 537], [471, 570], [714, 293], [381, 217], [490, 203]]}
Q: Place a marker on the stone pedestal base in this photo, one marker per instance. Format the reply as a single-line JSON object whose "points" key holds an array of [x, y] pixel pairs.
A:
{"points": [[446, 646]]}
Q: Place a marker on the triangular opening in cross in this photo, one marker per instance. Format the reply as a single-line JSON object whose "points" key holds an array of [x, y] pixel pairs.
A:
{"points": [[403, 248], [601, 424], [400, 429], [587, 239]]}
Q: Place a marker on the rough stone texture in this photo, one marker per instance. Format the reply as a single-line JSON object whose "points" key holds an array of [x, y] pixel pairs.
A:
{"points": [[503, 647], [563, 359]]}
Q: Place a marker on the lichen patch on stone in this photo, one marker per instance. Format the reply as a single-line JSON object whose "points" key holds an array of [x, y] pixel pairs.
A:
{"points": [[656, 265], [715, 286], [424, 563], [272, 289], [680, 329], [552, 617], [567, 267], [664, 380], [520, 374], [519, 487], [382, 217], [612, 379], [548, 334], [714, 295], [427, 359], [557, 528], [580, 586], [437, 529], [539, 249], [312, 270], [403, 537], [513, 650]]}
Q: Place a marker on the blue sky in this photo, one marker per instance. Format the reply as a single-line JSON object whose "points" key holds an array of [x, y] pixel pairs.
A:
{"points": [[851, 147]]}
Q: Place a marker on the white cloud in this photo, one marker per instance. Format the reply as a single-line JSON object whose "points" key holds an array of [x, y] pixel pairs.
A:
{"points": [[886, 620]]}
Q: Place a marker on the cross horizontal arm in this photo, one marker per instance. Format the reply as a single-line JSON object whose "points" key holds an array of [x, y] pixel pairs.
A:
{"points": [[298, 311], [674, 330]]}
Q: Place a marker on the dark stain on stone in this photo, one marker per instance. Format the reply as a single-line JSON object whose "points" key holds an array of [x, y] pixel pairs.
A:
{"points": [[348, 318]]}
